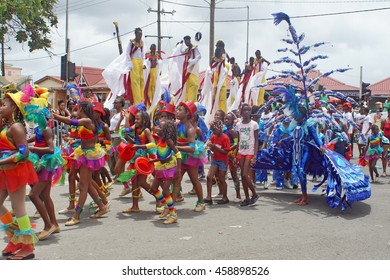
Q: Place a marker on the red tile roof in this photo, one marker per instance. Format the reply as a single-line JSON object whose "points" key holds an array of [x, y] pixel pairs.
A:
{"points": [[92, 76], [381, 87], [55, 78], [327, 82]]}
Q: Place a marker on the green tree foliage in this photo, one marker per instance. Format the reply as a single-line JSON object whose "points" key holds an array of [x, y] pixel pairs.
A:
{"points": [[28, 21]]}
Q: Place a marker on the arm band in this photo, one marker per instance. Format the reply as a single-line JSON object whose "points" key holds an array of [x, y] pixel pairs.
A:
{"points": [[178, 155], [74, 122], [151, 145], [21, 154]]}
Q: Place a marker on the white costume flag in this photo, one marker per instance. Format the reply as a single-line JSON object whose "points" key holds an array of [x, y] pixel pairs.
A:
{"points": [[253, 87], [235, 85], [114, 75], [158, 91], [175, 71], [207, 93]]}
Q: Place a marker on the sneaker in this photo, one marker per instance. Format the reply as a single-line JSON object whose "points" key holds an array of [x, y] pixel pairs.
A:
{"points": [[200, 207], [266, 185], [295, 186], [273, 183], [287, 184], [279, 188], [245, 203], [125, 191], [254, 199], [237, 200]]}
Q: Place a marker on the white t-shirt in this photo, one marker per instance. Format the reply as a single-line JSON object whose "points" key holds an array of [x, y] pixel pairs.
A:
{"points": [[365, 126], [348, 116], [114, 121], [246, 146]]}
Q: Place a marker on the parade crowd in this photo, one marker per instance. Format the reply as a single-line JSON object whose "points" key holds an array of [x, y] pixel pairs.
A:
{"points": [[148, 140]]}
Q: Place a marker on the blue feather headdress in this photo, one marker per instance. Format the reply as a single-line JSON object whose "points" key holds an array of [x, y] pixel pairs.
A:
{"points": [[304, 67]]}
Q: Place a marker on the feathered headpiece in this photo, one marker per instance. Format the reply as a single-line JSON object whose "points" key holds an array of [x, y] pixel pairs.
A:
{"points": [[304, 66]]}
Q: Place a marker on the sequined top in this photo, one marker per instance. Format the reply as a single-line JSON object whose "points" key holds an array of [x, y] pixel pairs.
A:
{"points": [[85, 133], [40, 140], [182, 133], [163, 150], [5, 143]]}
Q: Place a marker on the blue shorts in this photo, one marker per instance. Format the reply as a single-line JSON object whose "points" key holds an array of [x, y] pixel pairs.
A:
{"points": [[222, 165]]}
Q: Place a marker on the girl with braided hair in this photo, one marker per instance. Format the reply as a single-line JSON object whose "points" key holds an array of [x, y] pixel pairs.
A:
{"points": [[167, 166], [139, 135], [89, 156]]}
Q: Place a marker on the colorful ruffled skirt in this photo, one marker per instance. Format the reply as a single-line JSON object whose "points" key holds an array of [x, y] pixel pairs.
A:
{"points": [[19, 176], [165, 170], [49, 167], [374, 153], [195, 159], [93, 158]]}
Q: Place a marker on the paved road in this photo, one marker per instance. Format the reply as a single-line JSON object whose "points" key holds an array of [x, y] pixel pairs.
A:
{"points": [[275, 228]]}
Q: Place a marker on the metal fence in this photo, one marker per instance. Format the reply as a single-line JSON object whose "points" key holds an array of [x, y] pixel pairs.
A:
{"points": [[60, 129]]}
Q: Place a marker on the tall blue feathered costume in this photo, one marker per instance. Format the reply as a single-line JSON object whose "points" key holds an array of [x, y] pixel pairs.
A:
{"points": [[301, 152]]}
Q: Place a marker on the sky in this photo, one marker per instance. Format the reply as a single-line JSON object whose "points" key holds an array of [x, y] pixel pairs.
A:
{"points": [[357, 33]]}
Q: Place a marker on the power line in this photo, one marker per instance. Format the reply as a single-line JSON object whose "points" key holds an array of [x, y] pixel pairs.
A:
{"points": [[79, 49], [80, 6], [203, 7], [297, 17], [309, 2]]}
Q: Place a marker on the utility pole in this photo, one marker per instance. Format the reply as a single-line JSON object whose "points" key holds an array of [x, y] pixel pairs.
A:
{"points": [[360, 83], [2, 56], [247, 33], [67, 47], [212, 18], [159, 12], [118, 37]]}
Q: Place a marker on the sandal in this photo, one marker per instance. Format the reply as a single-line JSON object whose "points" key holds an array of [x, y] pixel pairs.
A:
{"points": [[11, 248], [72, 221], [46, 233], [99, 213], [192, 192], [164, 214], [179, 199], [26, 252], [171, 219], [131, 210], [208, 201]]}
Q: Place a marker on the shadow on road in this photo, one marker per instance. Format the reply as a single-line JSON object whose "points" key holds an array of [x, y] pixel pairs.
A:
{"points": [[284, 202]]}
